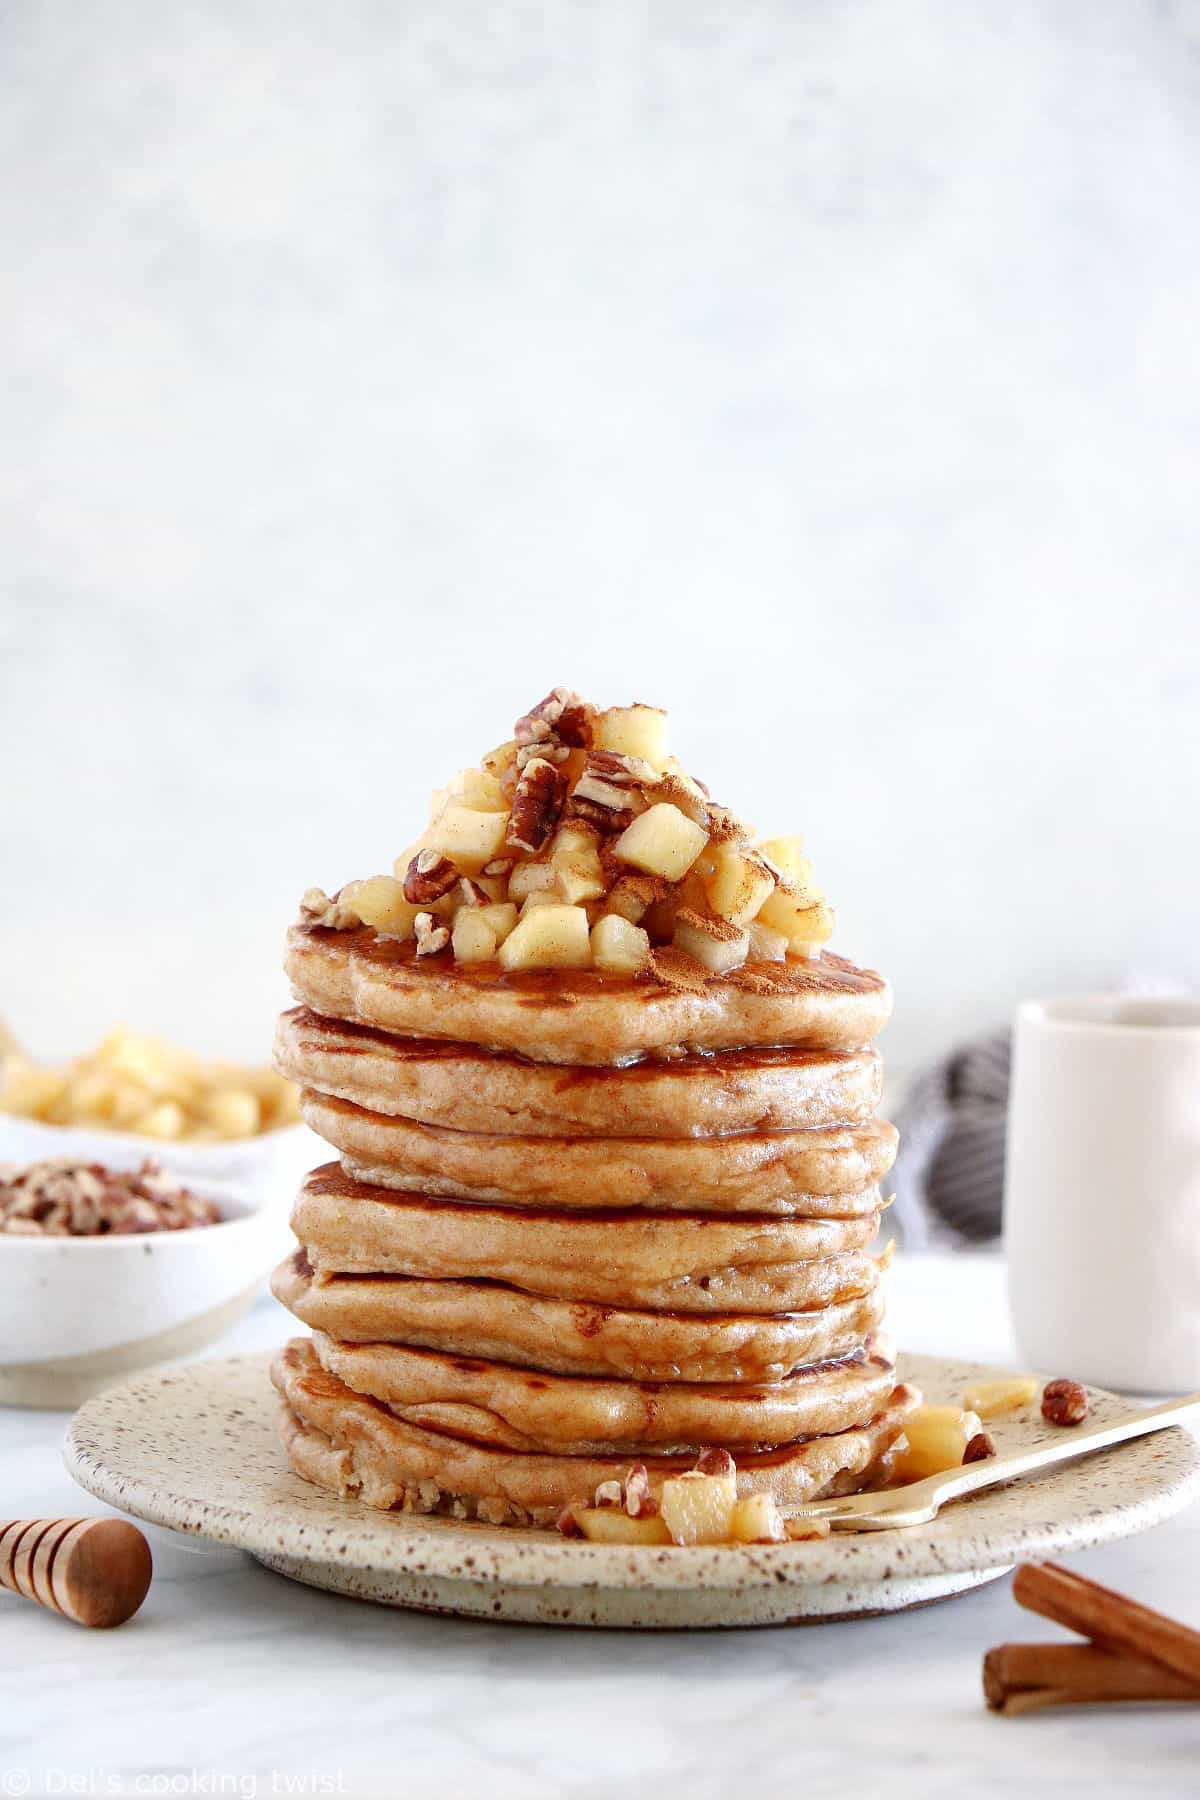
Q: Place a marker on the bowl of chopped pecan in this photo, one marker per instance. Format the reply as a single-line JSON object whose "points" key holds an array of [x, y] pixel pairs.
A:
{"points": [[108, 1267]]}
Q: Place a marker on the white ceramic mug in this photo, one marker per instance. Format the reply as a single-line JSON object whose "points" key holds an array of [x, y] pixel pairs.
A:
{"points": [[1102, 1190]]}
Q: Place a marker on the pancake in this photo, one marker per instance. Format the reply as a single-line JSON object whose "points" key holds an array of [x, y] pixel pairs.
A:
{"points": [[583, 1015], [438, 1082], [818, 1174], [487, 1319], [354, 1446], [692, 1262], [523, 1409]]}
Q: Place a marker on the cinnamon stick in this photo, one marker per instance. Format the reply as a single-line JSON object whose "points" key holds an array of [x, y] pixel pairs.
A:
{"points": [[1113, 1622], [1019, 1678]]}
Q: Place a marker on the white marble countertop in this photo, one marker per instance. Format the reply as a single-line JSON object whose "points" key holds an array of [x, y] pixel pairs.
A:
{"points": [[234, 1681]]}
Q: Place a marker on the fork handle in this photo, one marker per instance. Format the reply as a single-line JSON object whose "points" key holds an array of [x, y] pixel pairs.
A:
{"points": [[94, 1571]]}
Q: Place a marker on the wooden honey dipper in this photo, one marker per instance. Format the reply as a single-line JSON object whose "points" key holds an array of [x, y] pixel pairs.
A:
{"points": [[95, 1571]]}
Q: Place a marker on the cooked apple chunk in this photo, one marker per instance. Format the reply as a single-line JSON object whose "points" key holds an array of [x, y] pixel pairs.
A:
{"points": [[698, 1509], [801, 925], [714, 942], [472, 939], [935, 1439], [575, 859], [532, 878], [661, 841], [499, 916], [619, 946], [765, 945], [548, 937], [470, 839], [380, 903], [756, 1520], [633, 731], [610, 1525], [739, 883]]}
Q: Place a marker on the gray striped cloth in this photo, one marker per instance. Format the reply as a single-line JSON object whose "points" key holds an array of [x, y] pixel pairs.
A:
{"points": [[949, 1175]]}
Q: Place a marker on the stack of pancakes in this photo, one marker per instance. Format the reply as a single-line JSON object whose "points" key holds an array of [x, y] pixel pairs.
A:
{"points": [[582, 1220]]}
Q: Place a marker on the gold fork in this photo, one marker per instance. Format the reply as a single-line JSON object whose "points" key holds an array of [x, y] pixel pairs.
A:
{"points": [[893, 1508]]}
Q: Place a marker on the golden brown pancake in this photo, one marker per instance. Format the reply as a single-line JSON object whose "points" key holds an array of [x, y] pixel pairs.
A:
{"points": [[527, 1409], [690, 1262], [357, 1448], [487, 1319], [464, 1087], [583, 1016], [818, 1174]]}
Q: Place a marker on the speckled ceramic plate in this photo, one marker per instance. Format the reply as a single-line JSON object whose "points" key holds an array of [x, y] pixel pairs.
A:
{"points": [[196, 1450]]}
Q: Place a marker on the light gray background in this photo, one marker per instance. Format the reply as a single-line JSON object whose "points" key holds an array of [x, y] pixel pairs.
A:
{"points": [[828, 372]]}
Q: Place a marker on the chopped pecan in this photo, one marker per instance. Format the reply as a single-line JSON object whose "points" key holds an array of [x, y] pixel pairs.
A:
{"points": [[64, 1198], [639, 1501], [715, 1462], [562, 715], [611, 790], [1064, 1403], [316, 908], [500, 865], [429, 875], [470, 893], [431, 937], [568, 1524], [980, 1447], [537, 802], [608, 1494], [547, 749]]}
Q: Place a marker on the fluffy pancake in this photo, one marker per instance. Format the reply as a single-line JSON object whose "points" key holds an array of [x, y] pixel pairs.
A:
{"points": [[355, 1446], [525, 1409], [487, 1319], [818, 1174], [693, 1262], [583, 1016], [438, 1082]]}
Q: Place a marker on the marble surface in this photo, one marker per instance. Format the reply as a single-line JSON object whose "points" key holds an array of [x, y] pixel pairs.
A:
{"points": [[233, 1681]]}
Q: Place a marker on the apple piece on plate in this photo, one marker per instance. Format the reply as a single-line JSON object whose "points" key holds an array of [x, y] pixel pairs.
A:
{"points": [[548, 937], [618, 945], [936, 1438], [661, 841], [612, 1525], [633, 731], [698, 1509], [756, 1519]]}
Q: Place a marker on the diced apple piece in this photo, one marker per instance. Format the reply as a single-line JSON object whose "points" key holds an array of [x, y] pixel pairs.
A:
{"points": [[787, 853], [756, 1520], [633, 731], [612, 1525], [715, 943], [234, 1113], [765, 945], [478, 789], [698, 1509], [739, 884], [468, 838], [801, 925], [575, 860], [165, 1120], [541, 897], [619, 946], [472, 939], [548, 937], [661, 841], [31, 1091], [936, 1437], [803, 1526], [500, 917], [380, 903], [1003, 1394], [532, 878]]}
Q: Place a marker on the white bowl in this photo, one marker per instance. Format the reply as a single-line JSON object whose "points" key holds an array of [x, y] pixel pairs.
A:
{"points": [[77, 1313]]}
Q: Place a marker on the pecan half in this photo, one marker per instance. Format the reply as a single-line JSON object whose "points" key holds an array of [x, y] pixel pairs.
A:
{"points": [[429, 875], [537, 802], [1064, 1403], [562, 715], [608, 1494], [431, 937], [611, 790]]}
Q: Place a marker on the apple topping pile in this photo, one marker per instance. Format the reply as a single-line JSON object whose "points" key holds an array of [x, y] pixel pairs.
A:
{"points": [[583, 843]]}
